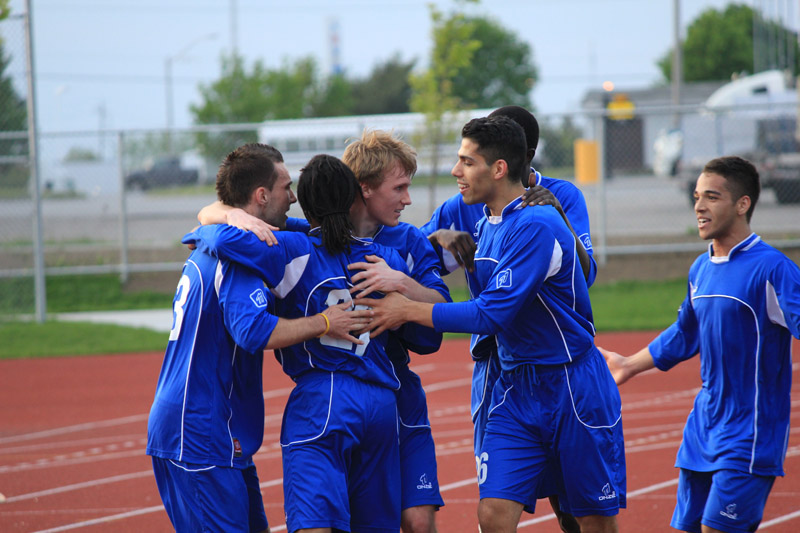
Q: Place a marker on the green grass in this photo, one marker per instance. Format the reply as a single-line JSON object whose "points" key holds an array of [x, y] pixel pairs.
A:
{"points": [[67, 294], [51, 339], [622, 306]]}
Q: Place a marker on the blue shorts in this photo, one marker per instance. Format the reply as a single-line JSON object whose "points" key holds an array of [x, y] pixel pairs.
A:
{"points": [[556, 419], [210, 498], [484, 375], [727, 500], [341, 459], [420, 482]]}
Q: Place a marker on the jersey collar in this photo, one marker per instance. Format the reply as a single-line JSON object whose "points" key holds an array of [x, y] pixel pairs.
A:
{"points": [[743, 246], [515, 205]]}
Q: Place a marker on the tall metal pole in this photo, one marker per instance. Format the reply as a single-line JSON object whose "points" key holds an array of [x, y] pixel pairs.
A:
{"points": [[677, 62], [33, 162], [168, 94]]}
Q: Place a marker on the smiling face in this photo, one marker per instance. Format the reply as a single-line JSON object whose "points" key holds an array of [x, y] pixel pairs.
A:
{"points": [[386, 202], [473, 174], [720, 217]]}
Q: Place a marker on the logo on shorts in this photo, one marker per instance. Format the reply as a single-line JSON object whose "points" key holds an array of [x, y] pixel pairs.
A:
{"points": [[424, 483], [608, 493], [730, 512], [258, 298], [504, 279]]}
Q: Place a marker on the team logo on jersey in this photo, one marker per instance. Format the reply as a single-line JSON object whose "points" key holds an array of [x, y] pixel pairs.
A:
{"points": [[586, 240], [504, 279], [259, 298], [424, 483], [237, 448], [608, 493], [730, 512]]}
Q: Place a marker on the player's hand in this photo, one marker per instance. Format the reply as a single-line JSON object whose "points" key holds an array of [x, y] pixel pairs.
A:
{"points": [[243, 220], [616, 364], [387, 312], [375, 275], [191, 245], [344, 321], [460, 244], [538, 195]]}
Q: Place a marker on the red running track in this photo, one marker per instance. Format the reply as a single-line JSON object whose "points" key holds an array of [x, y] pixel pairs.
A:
{"points": [[72, 439]]}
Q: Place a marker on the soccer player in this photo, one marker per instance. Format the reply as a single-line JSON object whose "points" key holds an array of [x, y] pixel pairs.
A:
{"points": [[742, 308], [452, 229], [555, 405], [339, 437], [384, 167], [207, 419]]}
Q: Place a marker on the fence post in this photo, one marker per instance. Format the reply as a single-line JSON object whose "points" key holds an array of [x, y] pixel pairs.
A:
{"points": [[124, 266], [600, 127], [40, 290]]}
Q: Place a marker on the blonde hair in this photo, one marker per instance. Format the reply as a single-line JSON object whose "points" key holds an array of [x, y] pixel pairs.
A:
{"points": [[375, 153]]}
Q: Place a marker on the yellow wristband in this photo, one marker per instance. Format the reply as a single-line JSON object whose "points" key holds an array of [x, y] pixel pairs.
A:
{"points": [[327, 325]]}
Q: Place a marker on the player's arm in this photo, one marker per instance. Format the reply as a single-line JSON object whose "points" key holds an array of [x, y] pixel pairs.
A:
{"points": [[219, 213], [538, 195], [337, 321], [375, 275], [624, 368], [394, 310]]}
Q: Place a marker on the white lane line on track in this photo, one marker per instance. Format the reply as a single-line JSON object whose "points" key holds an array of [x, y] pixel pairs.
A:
{"points": [[74, 429], [779, 520], [68, 462], [443, 385], [78, 486], [27, 448]]}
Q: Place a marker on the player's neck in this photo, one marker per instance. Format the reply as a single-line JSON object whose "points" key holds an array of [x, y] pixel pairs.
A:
{"points": [[363, 225], [505, 192], [723, 244]]}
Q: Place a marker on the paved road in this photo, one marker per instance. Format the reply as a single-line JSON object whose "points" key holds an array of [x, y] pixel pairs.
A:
{"points": [[641, 206]]}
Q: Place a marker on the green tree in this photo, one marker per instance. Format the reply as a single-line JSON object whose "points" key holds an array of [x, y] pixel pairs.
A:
{"points": [[501, 71], [720, 43], [385, 90], [432, 90], [13, 119]]}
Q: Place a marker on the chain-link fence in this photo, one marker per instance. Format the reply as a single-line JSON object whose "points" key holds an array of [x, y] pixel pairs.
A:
{"points": [[119, 201]]}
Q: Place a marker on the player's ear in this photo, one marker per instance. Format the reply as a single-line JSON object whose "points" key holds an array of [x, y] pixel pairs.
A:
{"points": [[366, 192], [743, 204], [260, 196], [499, 169]]}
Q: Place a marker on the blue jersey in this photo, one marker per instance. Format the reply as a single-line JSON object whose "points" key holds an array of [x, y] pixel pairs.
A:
{"points": [[534, 296], [454, 214], [306, 279], [739, 313], [209, 402], [423, 266]]}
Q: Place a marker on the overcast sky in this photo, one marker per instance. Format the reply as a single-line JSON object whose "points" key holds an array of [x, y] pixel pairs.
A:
{"points": [[101, 63]]}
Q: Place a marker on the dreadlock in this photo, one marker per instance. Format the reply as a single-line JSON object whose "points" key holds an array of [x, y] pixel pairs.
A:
{"points": [[326, 189]]}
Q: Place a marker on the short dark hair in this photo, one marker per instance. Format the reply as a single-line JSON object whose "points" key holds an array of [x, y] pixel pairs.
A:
{"points": [[244, 170], [326, 190], [741, 176], [499, 137], [524, 118]]}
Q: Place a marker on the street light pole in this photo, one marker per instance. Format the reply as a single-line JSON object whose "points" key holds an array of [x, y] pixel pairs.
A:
{"points": [[168, 62]]}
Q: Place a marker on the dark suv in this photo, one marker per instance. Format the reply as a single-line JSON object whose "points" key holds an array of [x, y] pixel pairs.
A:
{"points": [[164, 172]]}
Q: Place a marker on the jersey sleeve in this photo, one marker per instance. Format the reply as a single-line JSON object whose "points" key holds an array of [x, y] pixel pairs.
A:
{"points": [[245, 305], [299, 225], [783, 298], [680, 341], [574, 206], [243, 247], [529, 255]]}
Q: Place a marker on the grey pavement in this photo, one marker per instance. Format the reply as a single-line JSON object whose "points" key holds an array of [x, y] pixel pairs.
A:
{"points": [[155, 319]]}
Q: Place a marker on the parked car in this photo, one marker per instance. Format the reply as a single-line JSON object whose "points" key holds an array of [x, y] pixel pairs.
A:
{"points": [[163, 172]]}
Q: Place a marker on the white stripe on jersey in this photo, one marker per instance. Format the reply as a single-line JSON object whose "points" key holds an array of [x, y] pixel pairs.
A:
{"points": [[291, 275]]}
